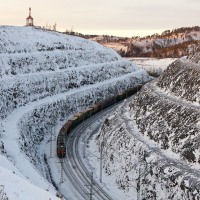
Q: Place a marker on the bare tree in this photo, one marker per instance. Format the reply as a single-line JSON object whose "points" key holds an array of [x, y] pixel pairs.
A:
{"points": [[54, 27]]}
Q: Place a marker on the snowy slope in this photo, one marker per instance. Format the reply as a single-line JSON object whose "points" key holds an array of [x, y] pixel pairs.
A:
{"points": [[168, 110], [136, 163], [45, 77], [182, 79], [170, 44], [154, 66], [195, 56], [16, 188], [151, 144]]}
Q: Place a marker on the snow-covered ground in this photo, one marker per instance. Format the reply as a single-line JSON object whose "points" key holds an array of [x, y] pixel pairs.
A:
{"points": [[45, 77], [116, 46], [153, 66], [14, 187], [151, 144]]}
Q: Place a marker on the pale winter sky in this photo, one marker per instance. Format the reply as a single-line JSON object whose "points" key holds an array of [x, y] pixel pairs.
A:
{"points": [[116, 17]]}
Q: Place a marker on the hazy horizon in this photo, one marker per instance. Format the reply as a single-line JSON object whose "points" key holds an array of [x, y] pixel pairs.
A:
{"points": [[128, 18]]}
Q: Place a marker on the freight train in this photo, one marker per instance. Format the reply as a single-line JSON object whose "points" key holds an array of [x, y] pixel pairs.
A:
{"points": [[83, 115]]}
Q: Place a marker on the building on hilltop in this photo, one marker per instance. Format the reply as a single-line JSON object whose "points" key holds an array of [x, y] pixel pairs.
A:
{"points": [[29, 19]]}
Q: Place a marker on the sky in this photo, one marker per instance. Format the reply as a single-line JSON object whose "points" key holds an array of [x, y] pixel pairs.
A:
{"points": [[113, 17]]}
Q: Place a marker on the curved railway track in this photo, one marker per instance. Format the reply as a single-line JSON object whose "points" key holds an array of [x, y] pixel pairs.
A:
{"points": [[74, 167]]}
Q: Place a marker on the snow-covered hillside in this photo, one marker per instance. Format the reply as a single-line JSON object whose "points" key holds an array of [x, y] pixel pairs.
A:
{"points": [[182, 79], [174, 44], [45, 77], [152, 142], [195, 56], [170, 44], [154, 66]]}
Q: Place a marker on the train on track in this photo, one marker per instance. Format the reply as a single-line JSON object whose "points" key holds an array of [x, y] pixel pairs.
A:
{"points": [[83, 115]]}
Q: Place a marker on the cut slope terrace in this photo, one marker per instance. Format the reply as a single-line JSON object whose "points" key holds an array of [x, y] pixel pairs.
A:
{"points": [[168, 111], [45, 78], [152, 142]]}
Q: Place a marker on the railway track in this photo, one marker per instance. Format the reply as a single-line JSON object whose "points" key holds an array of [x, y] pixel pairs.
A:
{"points": [[74, 167]]}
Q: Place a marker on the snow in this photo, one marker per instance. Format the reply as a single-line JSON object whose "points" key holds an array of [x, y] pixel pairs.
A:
{"points": [[168, 41], [46, 77], [152, 65], [116, 46], [92, 160], [181, 80], [127, 150], [156, 134], [176, 43], [15, 188]]}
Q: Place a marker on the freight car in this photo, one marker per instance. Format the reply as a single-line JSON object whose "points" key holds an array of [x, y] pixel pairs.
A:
{"points": [[81, 116]]}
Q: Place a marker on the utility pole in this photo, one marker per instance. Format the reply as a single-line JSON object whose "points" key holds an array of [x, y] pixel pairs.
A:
{"points": [[52, 139], [61, 170], [61, 173], [51, 145], [91, 185], [84, 148], [101, 162], [101, 153], [144, 163], [138, 186]]}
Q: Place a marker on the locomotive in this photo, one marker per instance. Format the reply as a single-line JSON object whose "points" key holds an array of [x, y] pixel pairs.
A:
{"points": [[83, 115]]}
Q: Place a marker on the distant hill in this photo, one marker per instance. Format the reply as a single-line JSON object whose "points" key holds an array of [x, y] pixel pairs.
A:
{"points": [[171, 43]]}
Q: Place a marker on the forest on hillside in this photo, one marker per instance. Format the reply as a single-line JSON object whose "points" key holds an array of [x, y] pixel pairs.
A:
{"points": [[170, 43]]}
